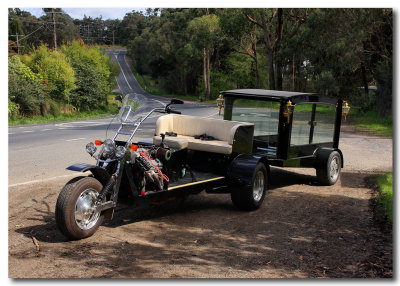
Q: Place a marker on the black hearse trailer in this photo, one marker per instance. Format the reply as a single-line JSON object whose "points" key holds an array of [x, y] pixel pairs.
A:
{"points": [[261, 128]]}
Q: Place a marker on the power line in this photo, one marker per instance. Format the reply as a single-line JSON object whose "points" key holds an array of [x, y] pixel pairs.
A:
{"points": [[30, 33]]}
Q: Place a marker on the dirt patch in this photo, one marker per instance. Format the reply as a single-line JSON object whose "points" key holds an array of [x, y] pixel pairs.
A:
{"points": [[302, 230]]}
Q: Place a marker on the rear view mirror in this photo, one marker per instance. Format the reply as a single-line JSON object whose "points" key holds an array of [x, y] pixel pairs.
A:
{"points": [[176, 101]]}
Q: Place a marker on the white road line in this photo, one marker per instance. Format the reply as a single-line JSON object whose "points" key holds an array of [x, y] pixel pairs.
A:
{"points": [[27, 131], [162, 103], [122, 71], [61, 128], [46, 129], [41, 181], [74, 139]]}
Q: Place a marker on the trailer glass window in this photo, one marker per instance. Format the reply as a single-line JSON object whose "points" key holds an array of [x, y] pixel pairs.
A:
{"points": [[301, 125], [265, 116], [312, 124], [324, 126]]}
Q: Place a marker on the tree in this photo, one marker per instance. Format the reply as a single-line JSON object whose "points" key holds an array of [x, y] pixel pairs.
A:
{"points": [[243, 36], [264, 18], [206, 35]]}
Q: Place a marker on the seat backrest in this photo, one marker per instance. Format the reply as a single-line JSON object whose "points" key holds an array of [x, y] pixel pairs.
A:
{"points": [[192, 126]]}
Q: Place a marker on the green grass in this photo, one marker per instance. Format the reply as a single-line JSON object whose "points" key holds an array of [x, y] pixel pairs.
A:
{"points": [[385, 195], [373, 122], [110, 109]]}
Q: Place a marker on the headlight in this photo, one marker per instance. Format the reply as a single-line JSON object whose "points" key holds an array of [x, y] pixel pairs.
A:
{"points": [[91, 148], [109, 148], [120, 152]]}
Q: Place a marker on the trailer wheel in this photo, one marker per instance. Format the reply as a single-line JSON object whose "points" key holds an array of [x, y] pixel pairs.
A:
{"points": [[250, 198], [74, 214], [328, 173]]}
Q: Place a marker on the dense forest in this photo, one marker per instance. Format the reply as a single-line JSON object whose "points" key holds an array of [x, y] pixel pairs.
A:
{"points": [[337, 52]]}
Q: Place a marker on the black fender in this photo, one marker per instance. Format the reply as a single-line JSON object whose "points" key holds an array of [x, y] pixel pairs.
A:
{"points": [[322, 154], [242, 168], [99, 173]]}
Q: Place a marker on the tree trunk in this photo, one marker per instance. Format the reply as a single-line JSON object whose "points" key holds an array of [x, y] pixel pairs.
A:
{"points": [[293, 74], [279, 32], [208, 73], [270, 52], [364, 78], [271, 69], [279, 78], [255, 59], [205, 72]]}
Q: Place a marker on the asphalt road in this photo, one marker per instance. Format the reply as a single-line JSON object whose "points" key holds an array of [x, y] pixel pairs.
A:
{"points": [[42, 152]]}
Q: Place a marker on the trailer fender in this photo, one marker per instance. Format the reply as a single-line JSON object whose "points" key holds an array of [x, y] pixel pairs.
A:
{"points": [[242, 168], [98, 172], [322, 154]]}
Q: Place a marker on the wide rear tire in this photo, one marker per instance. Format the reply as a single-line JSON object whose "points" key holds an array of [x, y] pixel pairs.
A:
{"points": [[74, 216], [250, 198]]}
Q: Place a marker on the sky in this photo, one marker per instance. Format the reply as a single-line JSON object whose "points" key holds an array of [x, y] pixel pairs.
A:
{"points": [[78, 13]]}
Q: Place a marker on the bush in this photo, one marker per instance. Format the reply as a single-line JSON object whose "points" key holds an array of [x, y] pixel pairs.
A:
{"points": [[28, 95], [13, 109], [56, 70], [94, 74], [16, 66]]}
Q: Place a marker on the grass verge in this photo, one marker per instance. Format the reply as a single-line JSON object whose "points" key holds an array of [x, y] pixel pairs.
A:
{"points": [[384, 194], [110, 109], [373, 122]]}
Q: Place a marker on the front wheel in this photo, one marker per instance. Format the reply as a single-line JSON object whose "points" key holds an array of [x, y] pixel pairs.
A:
{"points": [[75, 214], [251, 197]]}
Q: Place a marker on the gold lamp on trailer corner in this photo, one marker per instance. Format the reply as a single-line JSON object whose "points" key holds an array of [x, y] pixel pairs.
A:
{"points": [[220, 103], [288, 111], [345, 109]]}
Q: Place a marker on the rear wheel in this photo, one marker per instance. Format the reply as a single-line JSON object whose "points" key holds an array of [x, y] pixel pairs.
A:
{"points": [[251, 197], [75, 214], [328, 173]]}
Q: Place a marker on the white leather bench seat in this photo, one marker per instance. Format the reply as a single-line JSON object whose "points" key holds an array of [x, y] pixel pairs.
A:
{"points": [[189, 126], [173, 142]]}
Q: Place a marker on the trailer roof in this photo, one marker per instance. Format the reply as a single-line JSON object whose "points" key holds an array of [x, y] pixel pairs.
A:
{"points": [[296, 97]]}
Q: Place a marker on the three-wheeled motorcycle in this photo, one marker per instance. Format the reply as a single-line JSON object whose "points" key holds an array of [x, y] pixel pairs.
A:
{"points": [[189, 154]]}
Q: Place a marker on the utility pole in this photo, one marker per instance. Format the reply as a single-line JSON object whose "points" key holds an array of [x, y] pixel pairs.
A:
{"points": [[54, 27], [113, 42], [18, 46], [88, 39], [54, 30]]}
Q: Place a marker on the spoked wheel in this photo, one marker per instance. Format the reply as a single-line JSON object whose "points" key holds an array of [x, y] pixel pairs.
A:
{"points": [[328, 174], [251, 198], [76, 216]]}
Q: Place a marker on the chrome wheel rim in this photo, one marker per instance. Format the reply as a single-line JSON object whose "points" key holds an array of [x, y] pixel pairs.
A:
{"points": [[258, 186], [334, 168], [85, 214]]}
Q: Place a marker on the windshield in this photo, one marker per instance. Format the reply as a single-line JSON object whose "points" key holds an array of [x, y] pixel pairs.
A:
{"points": [[131, 110]]}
